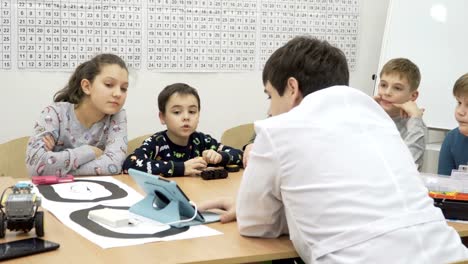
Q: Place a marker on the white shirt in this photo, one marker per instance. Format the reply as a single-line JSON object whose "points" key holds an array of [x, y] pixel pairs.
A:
{"points": [[336, 173]]}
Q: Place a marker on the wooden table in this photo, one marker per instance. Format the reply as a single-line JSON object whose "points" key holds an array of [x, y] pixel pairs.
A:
{"points": [[461, 228], [227, 248]]}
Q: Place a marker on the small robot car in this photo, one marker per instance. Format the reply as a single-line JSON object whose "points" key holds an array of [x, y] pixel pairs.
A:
{"points": [[19, 210]]}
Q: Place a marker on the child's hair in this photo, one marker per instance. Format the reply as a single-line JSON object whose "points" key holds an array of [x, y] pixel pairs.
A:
{"points": [[406, 69], [72, 92], [460, 88], [180, 88], [314, 63]]}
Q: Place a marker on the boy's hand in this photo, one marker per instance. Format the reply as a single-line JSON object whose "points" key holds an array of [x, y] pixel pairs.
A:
{"points": [[377, 98], [410, 109], [245, 157], [194, 166], [227, 205], [211, 156], [97, 151], [49, 142]]}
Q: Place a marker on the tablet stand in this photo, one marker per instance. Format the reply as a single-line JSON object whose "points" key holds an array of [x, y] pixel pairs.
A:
{"points": [[171, 213], [166, 203]]}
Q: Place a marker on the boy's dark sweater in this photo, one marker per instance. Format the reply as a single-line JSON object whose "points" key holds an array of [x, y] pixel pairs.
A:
{"points": [[160, 156]]}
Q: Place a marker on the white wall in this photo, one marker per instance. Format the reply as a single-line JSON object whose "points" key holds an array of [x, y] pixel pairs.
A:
{"points": [[228, 99]]}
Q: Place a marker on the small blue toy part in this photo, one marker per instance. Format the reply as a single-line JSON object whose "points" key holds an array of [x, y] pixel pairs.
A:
{"points": [[23, 185]]}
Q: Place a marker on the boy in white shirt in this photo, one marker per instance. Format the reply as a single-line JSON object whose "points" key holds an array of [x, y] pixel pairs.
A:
{"points": [[330, 169]]}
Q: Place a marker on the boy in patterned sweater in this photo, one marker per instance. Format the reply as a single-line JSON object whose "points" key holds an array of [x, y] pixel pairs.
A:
{"points": [[180, 150]]}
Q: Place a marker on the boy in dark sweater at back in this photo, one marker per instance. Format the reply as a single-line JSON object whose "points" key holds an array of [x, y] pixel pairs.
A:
{"points": [[180, 150]]}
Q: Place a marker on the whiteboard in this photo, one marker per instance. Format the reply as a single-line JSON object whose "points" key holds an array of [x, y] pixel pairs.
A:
{"points": [[432, 34]]}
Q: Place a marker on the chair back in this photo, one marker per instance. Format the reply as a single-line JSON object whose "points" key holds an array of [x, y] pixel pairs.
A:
{"points": [[135, 143], [13, 158], [239, 136]]}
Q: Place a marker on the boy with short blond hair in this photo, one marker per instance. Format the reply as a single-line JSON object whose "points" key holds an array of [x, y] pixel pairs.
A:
{"points": [[406, 69], [454, 151], [397, 93]]}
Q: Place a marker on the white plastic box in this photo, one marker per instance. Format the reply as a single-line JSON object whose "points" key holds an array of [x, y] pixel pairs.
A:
{"points": [[458, 182]]}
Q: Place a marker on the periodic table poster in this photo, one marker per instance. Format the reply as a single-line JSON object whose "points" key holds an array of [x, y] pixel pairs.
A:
{"points": [[5, 37], [336, 21], [168, 35], [60, 34], [202, 35]]}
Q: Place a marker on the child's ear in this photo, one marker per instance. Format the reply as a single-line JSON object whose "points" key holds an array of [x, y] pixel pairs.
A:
{"points": [[292, 87], [162, 118], [414, 95], [85, 86]]}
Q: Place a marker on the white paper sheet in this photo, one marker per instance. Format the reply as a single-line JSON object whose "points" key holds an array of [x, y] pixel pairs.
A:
{"points": [[80, 195]]}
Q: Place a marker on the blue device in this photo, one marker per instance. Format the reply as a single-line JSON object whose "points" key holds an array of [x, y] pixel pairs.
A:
{"points": [[166, 203]]}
